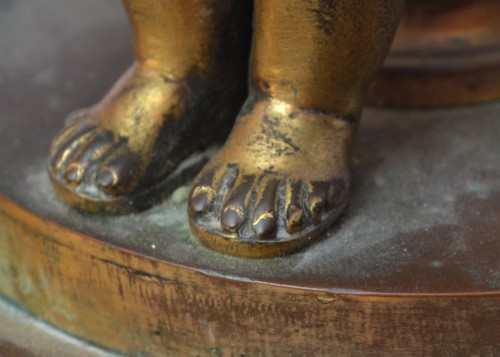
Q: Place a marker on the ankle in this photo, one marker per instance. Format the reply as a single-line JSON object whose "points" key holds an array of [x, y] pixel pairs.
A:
{"points": [[312, 98]]}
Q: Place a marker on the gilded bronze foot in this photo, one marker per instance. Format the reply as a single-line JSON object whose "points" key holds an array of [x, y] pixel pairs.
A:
{"points": [[181, 95], [279, 181], [283, 175], [102, 155], [118, 155]]}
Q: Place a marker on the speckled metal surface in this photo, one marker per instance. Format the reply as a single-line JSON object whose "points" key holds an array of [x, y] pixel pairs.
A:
{"points": [[424, 217]]}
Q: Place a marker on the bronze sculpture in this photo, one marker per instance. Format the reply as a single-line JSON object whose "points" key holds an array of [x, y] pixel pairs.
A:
{"points": [[283, 175], [410, 269]]}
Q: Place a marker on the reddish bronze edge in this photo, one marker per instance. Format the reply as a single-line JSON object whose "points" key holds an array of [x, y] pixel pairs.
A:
{"points": [[21, 215], [126, 301]]}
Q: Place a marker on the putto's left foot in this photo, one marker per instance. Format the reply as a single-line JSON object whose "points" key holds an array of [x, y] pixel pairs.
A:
{"points": [[283, 176], [280, 180], [123, 154]]}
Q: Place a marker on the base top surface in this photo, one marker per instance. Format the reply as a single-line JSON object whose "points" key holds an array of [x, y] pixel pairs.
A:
{"points": [[424, 216]]}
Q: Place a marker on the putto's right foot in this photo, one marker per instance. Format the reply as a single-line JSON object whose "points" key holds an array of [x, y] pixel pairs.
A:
{"points": [[181, 95], [120, 153]]}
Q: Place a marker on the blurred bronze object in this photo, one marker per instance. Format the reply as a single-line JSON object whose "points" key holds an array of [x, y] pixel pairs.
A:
{"points": [[446, 52]]}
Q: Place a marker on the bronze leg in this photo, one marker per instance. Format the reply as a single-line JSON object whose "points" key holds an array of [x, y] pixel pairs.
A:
{"points": [[181, 93], [283, 175]]}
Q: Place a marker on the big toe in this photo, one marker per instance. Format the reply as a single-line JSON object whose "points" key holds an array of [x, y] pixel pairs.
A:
{"points": [[205, 190]]}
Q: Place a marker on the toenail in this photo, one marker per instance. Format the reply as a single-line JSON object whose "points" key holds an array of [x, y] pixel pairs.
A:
{"points": [[58, 162], [107, 178], [201, 199], [294, 220], [315, 203], [73, 173], [232, 218], [199, 203], [264, 224]]}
